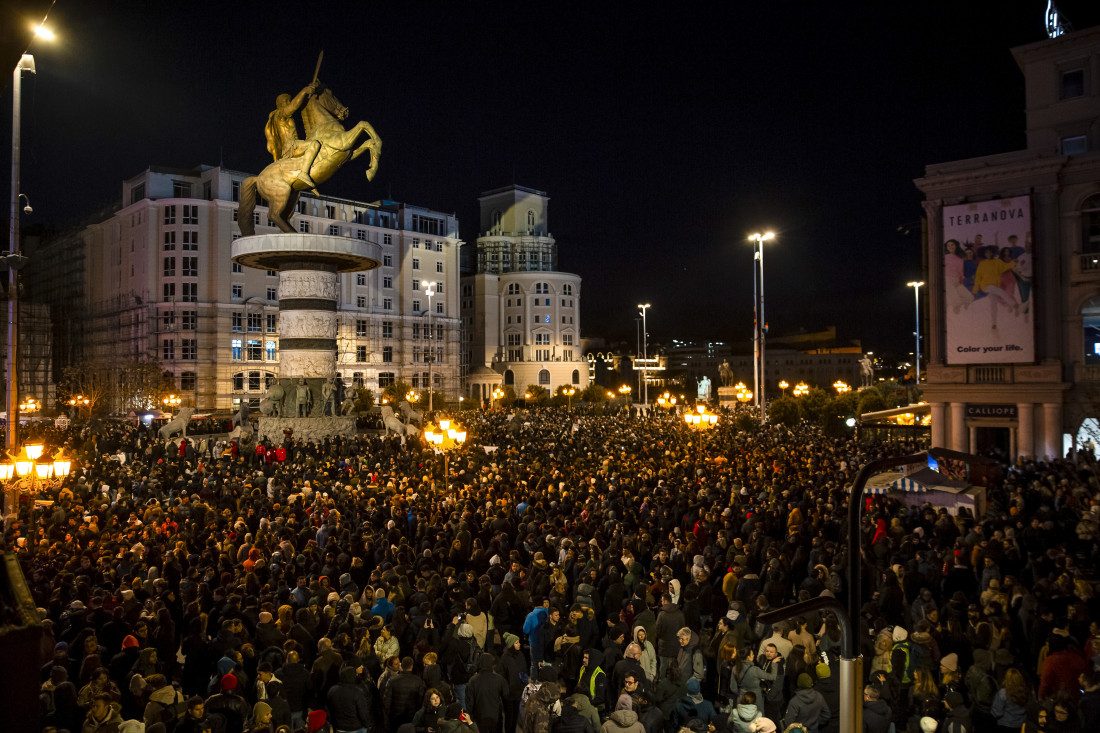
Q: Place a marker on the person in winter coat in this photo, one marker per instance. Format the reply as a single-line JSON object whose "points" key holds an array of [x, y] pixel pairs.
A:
{"points": [[429, 712], [592, 680], [745, 676], [826, 684], [689, 658], [744, 714], [485, 694], [537, 715], [348, 703], [166, 704], [623, 719], [535, 628], [693, 706], [584, 707], [669, 621], [516, 671], [648, 660], [877, 714], [571, 720], [401, 696], [807, 706], [104, 716]]}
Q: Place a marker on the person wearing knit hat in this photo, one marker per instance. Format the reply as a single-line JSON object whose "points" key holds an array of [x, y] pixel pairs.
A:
{"points": [[261, 716], [509, 641], [807, 706], [130, 641], [228, 682], [805, 682], [900, 634], [928, 725], [823, 671], [950, 662]]}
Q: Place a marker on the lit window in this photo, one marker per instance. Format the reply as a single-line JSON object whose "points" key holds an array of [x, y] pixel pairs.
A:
{"points": [[235, 346], [270, 350]]}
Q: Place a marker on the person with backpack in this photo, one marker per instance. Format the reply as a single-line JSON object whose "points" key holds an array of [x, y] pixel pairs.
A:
{"points": [[166, 704], [982, 688], [459, 655]]}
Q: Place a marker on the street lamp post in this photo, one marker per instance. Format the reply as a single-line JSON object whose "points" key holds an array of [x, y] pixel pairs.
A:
{"points": [[783, 384], [498, 395], [916, 301], [645, 356], [431, 347], [758, 240], [569, 392], [801, 389], [448, 436]]}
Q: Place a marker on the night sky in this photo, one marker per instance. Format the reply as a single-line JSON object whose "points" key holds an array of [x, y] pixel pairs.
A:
{"points": [[663, 136]]}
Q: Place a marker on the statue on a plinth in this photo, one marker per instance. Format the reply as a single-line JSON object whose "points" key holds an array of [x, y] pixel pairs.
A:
{"points": [[303, 398], [302, 164]]}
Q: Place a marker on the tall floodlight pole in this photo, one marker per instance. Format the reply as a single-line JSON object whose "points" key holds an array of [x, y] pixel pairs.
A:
{"points": [[645, 357], [916, 301], [431, 347], [759, 322]]}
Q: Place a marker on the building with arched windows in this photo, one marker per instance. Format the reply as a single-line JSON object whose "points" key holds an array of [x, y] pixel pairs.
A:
{"points": [[1013, 270], [521, 316]]}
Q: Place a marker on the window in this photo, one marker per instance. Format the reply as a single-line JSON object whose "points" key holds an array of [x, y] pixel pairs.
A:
{"points": [[387, 303], [416, 355], [169, 292], [439, 308], [387, 282], [576, 376], [416, 263], [188, 351], [236, 190], [255, 322], [542, 339], [387, 239], [416, 243], [567, 354], [190, 267], [190, 292], [416, 306], [513, 288], [168, 349], [1073, 83], [237, 268], [567, 339], [330, 212], [169, 266], [514, 339], [269, 347], [567, 289], [439, 287], [542, 288], [254, 351], [361, 354], [1090, 227], [170, 214], [387, 354], [168, 320], [416, 331], [190, 320], [181, 190], [439, 246], [544, 377], [271, 327], [361, 301], [238, 322], [333, 230], [254, 382], [169, 241], [416, 285], [1075, 145], [238, 290], [303, 227], [387, 260], [190, 240], [387, 329], [272, 294], [137, 193], [190, 213], [385, 379], [272, 273], [360, 278], [361, 235], [187, 381], [439, 267], [515, 354], [360, 328], [235, 346]]}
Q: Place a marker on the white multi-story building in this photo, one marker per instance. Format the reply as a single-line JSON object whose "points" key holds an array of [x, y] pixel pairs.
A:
{"points": [[522, 316], [159, 285]]}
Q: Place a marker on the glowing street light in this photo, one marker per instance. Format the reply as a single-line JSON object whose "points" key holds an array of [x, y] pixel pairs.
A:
{"points": [[445, 438], [841, 386], [758, 240], [916, 299], [569, 392], [701, 419], [783, 384], [801, 389], [498, 395], [171, 402]]}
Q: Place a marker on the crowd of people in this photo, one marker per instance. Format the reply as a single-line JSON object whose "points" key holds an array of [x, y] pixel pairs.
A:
{"points": [[573, 573]]}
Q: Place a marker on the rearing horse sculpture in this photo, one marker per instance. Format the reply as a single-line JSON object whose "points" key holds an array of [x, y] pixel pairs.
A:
{"points": [[278, 183]]}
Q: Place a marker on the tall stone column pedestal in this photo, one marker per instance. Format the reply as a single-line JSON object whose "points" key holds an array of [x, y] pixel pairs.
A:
{"points": [[308, 265]]}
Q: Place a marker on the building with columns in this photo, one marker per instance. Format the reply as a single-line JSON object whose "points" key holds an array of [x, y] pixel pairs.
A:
{"points": [[1013, 270], [156, 284], [521, 316]]}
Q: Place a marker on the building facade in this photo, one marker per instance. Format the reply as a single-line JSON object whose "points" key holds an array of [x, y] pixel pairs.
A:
{"points": [[521, 315], [1013, 261], [157, 284]]}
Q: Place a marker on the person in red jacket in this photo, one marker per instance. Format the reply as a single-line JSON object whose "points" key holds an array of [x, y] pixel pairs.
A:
{"points": [[1061, 668]]}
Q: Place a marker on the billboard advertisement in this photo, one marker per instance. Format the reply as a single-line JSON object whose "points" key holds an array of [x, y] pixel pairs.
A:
{"points": [[988, 296]]}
